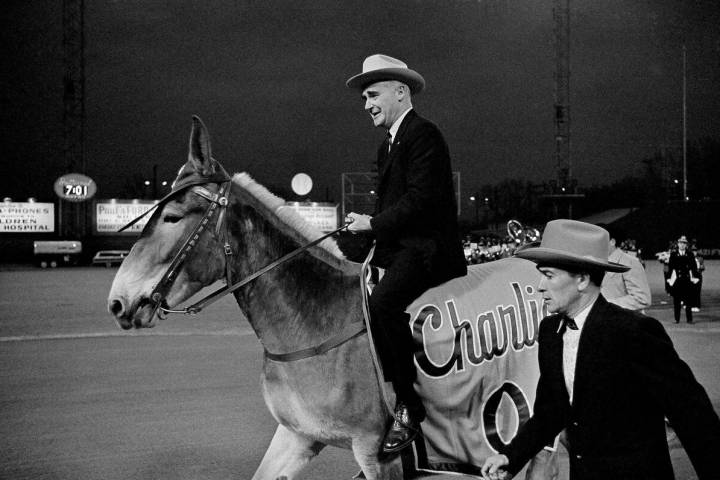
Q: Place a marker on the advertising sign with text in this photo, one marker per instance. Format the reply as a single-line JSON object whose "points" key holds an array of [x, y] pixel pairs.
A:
{"points": [[27, 217], [324, 216], [112, 215]]}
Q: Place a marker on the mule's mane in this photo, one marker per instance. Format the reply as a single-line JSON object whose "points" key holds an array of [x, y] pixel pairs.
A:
{"points": [[289, 222]]}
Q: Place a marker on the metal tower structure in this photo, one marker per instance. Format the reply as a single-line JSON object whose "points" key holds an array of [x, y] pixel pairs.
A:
{"points": [[561, 22], [358, 192], [73, 11], [74, 84]]}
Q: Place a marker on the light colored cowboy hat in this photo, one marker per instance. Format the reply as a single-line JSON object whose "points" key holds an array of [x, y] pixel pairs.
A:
{"points": [[682, 238], [573, 245], [381, 67]]}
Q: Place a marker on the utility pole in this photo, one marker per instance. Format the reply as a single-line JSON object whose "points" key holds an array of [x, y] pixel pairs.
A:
{"points": [[561, 18], [684, 123]]}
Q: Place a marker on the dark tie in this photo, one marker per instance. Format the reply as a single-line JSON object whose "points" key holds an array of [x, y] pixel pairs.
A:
{"points": [[565, 323], [389, 141]]}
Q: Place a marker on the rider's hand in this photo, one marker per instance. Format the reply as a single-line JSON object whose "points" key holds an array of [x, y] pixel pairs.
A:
{"points": [[493, 468], [358, 222]]}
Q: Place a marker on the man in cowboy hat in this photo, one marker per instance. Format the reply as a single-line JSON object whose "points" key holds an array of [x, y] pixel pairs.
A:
{"points": [[608, 375], [415, 228], [683, 273]]}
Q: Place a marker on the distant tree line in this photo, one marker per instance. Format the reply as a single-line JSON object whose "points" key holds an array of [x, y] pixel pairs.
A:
{"points": [[660, 182]]}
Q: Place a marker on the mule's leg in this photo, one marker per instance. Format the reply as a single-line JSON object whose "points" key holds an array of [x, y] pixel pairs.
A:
{"points": [[366, 455], [287, 454]]}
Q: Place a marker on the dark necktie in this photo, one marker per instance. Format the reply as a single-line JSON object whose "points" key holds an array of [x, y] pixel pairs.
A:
{"points": [[389, 141], [565, 323]]}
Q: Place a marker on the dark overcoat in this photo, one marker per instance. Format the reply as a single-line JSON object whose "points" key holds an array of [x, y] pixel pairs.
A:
{"points": [[684, 267], [416, 206], [628, 378]]}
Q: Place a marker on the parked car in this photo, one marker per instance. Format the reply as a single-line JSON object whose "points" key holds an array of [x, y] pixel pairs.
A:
{"points": [[110, 257]]}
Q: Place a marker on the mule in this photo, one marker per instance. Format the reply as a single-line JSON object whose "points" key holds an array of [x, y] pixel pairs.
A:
{"points": [[331, 398]]}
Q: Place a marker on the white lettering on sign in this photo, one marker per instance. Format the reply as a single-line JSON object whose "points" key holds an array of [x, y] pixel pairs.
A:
{"points": [[112, 216], [27, 217]]}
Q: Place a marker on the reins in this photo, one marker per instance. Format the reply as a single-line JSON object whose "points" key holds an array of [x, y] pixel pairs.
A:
{"points": [[219, 202], [222, 291]]}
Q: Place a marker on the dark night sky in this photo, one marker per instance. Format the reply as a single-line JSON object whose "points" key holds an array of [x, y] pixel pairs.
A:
{"points": [[268, 78]]}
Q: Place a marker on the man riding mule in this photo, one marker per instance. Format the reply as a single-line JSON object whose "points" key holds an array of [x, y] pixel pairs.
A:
{"points": [[308, 316], [415, 226]]}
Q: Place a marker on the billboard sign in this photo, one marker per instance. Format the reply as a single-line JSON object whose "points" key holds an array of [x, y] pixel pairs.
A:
{"points": [[324, 216], [75, 187], [27, 217], [111, 215]]}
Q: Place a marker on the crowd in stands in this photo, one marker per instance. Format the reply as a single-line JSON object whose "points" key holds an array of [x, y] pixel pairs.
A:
{"points": [[487, 249]]}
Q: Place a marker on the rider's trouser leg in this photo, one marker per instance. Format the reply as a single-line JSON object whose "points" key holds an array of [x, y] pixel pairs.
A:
{"points": [[404, 281]]}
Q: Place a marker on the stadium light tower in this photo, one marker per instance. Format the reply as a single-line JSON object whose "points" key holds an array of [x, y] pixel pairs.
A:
{"points": [[74, 84], [73, 217]]}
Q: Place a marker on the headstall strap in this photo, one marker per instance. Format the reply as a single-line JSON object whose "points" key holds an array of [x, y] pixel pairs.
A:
{"points": [[216, 200]]}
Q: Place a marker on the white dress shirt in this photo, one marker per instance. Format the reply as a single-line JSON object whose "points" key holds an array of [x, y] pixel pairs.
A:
{"points": [[396, 125], [571, 340]]}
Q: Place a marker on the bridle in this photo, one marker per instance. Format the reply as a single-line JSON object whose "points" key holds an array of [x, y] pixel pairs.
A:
{"points": [[218, 203]]}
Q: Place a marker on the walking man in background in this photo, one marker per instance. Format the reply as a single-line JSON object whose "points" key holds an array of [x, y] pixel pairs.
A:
{"points": [[628, 289], [415, 228], [697, 287], [608, 375], [683, 276]]}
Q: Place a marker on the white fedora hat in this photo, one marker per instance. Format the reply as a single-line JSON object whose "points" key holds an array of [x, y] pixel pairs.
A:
{"points": [[573, 245], [381, 67]]}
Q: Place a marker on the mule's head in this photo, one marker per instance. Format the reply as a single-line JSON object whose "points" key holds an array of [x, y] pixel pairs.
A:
{"points": [[173, 220]]}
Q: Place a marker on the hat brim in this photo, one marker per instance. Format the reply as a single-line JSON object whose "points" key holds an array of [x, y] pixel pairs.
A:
{"points": [[550, 257], [410, 77]]}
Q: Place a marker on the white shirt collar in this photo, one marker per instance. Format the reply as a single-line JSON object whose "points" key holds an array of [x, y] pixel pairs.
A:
{"points": [[396, 125], [583, 314]]}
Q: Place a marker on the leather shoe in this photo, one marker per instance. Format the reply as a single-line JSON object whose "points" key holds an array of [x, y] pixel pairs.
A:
{"points": [[402, 432]]}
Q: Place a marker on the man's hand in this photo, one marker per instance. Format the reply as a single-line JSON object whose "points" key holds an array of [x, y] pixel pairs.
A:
{"points": [[493, 468], [358, 222]]}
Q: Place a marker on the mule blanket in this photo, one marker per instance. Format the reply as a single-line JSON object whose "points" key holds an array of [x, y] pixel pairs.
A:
{"points": [[476, 355]]}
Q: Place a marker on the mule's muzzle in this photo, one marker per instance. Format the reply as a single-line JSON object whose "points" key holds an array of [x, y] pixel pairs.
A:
{"points": [[142, 316]]}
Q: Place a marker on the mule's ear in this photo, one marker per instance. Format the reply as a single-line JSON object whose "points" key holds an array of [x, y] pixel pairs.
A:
{"points": [[199, 153]]}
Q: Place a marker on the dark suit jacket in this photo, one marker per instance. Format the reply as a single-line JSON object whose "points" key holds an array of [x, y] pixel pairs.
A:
{"points": [[628, 378], [416, 205], [684, 267]]}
